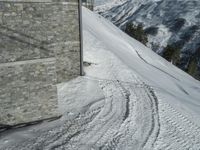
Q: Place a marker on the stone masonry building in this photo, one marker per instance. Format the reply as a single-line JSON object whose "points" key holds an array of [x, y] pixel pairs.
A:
{"points": [[40, 46]]}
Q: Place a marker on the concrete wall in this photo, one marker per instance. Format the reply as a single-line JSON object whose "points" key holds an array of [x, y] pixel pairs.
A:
{"points": [[39, 47]]}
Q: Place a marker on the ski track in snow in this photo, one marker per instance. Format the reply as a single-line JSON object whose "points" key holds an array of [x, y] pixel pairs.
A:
{"points": [[109, 109]]}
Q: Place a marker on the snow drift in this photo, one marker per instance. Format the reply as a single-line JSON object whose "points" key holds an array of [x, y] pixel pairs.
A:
{"points": [[172, 84]]}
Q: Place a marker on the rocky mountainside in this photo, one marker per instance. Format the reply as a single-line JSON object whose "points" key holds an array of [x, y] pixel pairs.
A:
{"points": [[167, 22]]}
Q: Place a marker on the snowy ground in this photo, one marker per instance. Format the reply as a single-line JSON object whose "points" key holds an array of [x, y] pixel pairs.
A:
{"points": [[130, 98]]}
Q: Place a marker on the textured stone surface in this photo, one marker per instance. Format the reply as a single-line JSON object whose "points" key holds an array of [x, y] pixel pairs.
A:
{"points": [[39, 47]]}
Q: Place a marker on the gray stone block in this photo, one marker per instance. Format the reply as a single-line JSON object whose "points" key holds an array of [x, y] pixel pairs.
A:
{"points": [[39, 47]]}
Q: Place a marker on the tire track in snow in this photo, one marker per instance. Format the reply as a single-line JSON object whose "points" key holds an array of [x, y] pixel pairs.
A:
{"points": [[141, 121], [127, 97], [140, 98], [177, 131], [155, 115]]}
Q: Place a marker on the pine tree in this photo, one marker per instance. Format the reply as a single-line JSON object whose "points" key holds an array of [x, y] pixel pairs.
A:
{"points": [[172, 54], [192, 67], [136, 32]]}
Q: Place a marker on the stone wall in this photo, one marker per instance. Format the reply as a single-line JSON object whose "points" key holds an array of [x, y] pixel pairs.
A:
{"points": [[39, 47]]}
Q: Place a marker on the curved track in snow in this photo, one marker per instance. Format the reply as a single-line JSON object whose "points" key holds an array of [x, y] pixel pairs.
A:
{"points": [[126, 117]]}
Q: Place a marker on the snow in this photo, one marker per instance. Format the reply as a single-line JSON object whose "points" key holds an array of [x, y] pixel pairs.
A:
{"points": [[163, 76], [162, 37], [130, 98]]}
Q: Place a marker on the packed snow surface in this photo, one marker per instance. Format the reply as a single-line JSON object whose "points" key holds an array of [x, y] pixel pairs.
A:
{"points": [[130, 98]]}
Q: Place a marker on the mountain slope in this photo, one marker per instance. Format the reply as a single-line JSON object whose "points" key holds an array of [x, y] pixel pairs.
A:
{"points": [[163, 75], [175, 96], [167, 22], [130, 98]]}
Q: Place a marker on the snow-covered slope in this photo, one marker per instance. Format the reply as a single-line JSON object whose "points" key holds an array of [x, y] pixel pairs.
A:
{"points": [[167, 22], [153, 69], [129, 99]]}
